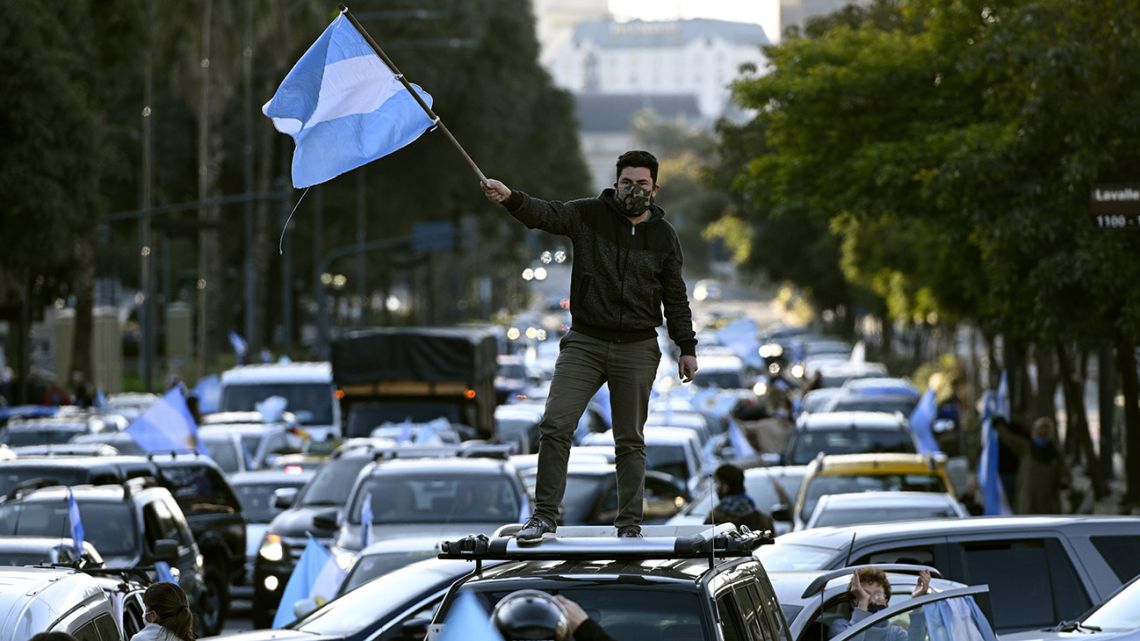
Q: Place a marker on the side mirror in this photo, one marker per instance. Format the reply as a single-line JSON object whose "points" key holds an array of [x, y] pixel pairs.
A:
{"points": [[166, 550], [780, 512], [325, 520], [304, 607], [283, 497]]}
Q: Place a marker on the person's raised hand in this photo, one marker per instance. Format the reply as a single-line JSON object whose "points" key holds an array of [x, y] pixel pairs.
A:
{"points": [[574, 612], [860, 596], [495, 191], [922, 586], [687, 368]]}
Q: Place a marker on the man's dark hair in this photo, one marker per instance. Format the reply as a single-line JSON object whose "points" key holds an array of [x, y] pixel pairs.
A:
{"points": [[731, 476], [638, 158]]}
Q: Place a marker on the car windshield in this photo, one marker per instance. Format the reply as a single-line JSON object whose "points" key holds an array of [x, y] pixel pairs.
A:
{"points": [[17, 559], [371, 566], [720, 380], [1120, 613], [333, 482], [881, 514], [668, 459], [581, 497], [365, 417], [511, 370], [11, 475], [375, 603], [225, 454], [438, 498], [315, 398], [809, 443], [794, 557], [851, 483], [251, 443], [762, 488], [19, 438], [887, 404], [257, 500], [633, 612], [110, 525]]}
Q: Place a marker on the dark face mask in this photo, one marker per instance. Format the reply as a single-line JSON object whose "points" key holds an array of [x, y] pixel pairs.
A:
{"points": [[876, 607], [633, 200]]}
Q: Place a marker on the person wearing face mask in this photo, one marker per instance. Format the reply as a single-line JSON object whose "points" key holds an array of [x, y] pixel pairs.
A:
{"points": [[735, 506], [1042, 472], [626, 270], [870, 592], [168, 616]]}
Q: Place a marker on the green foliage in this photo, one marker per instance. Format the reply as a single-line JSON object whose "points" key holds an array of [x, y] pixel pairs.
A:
{"points": [[949, 149]]}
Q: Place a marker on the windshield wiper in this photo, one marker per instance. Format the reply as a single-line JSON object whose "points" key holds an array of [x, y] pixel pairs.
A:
{"points": [[1074, 626]]}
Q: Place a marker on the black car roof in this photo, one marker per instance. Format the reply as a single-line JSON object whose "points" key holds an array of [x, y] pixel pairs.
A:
{"points": [[686, 571]]}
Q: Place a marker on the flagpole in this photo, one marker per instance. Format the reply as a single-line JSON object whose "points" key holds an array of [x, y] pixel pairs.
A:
{"points": [[399, 76]]}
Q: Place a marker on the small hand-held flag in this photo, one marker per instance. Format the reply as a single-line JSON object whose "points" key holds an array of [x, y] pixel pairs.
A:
{"points": [[76, 524], [346, 104], [366, 521]]}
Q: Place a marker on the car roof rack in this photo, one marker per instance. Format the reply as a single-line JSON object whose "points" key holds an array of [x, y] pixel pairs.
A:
{"points": [[602, 543], [19, 490], [817, 584], [468, 449], [173, 454]]}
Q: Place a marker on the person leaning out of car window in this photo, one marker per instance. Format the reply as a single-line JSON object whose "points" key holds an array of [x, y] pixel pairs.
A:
{"points": [[870, 592], [168, 616]]}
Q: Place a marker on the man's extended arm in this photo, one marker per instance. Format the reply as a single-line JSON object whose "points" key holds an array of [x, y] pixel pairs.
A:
{"points": [[535, 213]]}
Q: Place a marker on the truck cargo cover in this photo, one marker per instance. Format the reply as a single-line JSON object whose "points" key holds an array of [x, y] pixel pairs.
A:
{"points": [[414, 353]]}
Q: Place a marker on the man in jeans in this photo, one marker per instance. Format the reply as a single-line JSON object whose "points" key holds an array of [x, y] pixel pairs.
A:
{"points": [[627, 266]]}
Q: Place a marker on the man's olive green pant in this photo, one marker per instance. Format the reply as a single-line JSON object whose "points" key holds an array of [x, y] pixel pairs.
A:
{"points": [[584, 363]]}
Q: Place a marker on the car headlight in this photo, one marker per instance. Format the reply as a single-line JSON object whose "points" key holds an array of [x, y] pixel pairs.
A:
{"points": [[271, 548]]}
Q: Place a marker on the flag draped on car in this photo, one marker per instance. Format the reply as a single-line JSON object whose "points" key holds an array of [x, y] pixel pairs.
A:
{"points": [[167, 426], [344, 107], [316, 576]]}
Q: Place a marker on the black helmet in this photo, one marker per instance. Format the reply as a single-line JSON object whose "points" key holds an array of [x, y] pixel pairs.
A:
{"points": [[531, 615]]}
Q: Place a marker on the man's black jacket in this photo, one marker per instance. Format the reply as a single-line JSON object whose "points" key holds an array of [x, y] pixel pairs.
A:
{"points": [[622, 273]]}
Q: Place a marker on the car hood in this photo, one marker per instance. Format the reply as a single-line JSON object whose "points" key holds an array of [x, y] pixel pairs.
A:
{"points": [[268, 635], [1052, 635], [298, 521]]}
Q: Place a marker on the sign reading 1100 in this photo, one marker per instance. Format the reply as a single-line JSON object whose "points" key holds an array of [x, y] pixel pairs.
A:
{"points": [[1116, 206]]}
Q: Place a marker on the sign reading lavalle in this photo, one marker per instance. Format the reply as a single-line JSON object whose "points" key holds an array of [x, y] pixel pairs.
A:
{"points": [[1116, 206]]}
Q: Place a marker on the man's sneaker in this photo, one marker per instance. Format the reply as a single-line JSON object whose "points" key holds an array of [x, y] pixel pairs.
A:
{"points": [[534, 531], [629, 532]]}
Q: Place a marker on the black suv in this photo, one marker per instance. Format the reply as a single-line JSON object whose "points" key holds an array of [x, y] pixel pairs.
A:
{"points": [[132, 525], [676, 584], [197, 484]]}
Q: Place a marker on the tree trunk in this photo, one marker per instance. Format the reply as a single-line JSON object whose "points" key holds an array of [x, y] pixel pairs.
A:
{"points": [[1126, 364], [82, 376], [1017, 378], [1043, 400], [23, 341], [1076, 421], [1106, 403]]}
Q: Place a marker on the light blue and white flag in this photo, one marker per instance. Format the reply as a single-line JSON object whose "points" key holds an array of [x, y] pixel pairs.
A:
{"points": [[741, 448], [994, 405], [922, 423], [406, 433], [76, 524], [315, 571], [468, 620], [163, 573], [366, 521], [343, 107], [241, 348], [167, 426]]}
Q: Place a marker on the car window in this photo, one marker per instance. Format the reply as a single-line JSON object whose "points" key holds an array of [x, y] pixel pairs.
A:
{"points": [[849, 483], [108, 629], [113, 536], [370, 566], [160, 523], [200, 490], [315, 398], [668, 459], [809, 443], [730, 618], [582, 491], [763, 488], [793, 557], [333, 482], [1027, 582], [438, 498], [257, 500], [1120, 554], [880, 514], [752, 607], [935, 616], [915, 554], [225, 453], [16, 474]]}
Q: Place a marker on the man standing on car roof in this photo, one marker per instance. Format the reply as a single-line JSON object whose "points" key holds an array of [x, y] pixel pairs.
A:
{"points": [[627, 266]]}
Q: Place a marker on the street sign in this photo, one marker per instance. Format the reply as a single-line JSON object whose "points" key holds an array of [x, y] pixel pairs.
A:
{"points": [[1116, 206]]}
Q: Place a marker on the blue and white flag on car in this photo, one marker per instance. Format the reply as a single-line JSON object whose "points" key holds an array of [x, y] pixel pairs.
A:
{"points": [[316, 576], [241, 348], [468, 620], [76, 523], [167, 426], [343, 107], [741, 448], [366, 520], [922, 423], [163, 573], [989, 480]]}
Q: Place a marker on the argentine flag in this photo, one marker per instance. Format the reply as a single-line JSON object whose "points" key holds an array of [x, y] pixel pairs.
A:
{"points": [[167, 426], [343, 107], [76, 524], [316, 576]]}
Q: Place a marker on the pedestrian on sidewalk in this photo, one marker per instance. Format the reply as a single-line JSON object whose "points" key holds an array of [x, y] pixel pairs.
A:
{"points": [[627, 267], [1042, 470]]}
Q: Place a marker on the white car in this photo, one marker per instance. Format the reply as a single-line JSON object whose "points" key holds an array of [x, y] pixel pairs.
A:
{"points": [[307, 387], [672, 450], [880, 507]]}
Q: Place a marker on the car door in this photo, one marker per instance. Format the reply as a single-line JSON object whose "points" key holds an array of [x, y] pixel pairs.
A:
{"points": [[1033, 580], [953, 614]]}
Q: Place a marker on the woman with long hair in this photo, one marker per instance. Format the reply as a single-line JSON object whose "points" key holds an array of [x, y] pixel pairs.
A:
{"points": [[168, 616]]}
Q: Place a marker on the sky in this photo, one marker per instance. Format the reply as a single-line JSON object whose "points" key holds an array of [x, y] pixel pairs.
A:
{"points": [[764, 12]]}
